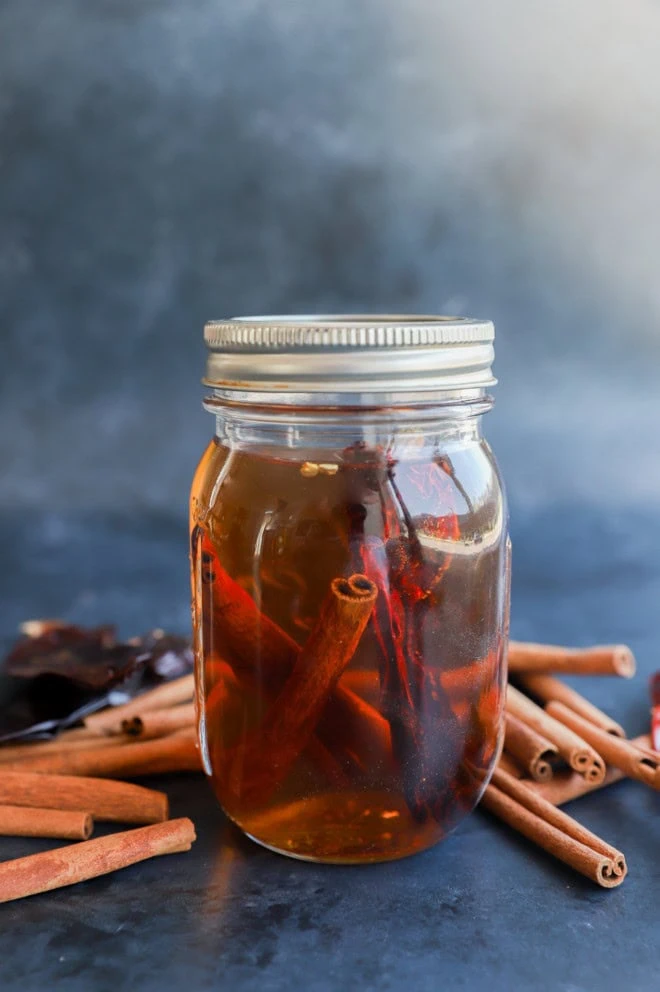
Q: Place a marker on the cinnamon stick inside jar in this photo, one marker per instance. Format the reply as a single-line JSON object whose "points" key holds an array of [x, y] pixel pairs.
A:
{"points": [[554, 831], [80, 862], [224, 705], [118, 802], [249, 634], [614, 659], [549, 689], [289, 723], [580, 755], [529, 748]]}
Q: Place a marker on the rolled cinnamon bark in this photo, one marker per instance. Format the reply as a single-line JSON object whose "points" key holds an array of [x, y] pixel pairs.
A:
{"points": [[565, 786], [116, 802], [159, 723], [461, 682], [39, 749], [365, 683], [574, 749], [80, 862], [610, 659], [27, 821], [224, 706], [510, 765], [546, 688], [75, 733], [249, 634], [363, 731], [554, 831], [529, 748], [290, 721], [168, 694], [637, 762], [176, 753]]}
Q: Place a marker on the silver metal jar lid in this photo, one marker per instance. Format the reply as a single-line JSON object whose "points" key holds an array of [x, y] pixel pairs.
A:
{"points": [[349, 354]]}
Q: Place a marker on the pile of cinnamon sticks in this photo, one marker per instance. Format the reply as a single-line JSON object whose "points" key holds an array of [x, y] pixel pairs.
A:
{"points": [[60, 788], [558, 746]]}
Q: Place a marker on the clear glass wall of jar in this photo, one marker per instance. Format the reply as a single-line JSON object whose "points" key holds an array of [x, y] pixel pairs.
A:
{"points": [[350, 573]]}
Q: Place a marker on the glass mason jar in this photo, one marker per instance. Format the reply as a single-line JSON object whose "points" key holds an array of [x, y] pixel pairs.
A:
{"points": [[350, 574]]}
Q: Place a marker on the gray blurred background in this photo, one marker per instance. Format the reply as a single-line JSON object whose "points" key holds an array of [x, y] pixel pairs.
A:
{"points": [[164, 162]]}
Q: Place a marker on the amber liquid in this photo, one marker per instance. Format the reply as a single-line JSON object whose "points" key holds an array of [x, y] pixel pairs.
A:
{"points": [[402, 740]]}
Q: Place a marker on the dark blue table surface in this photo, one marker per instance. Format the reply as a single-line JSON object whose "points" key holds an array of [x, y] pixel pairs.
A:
{"points": [[484, 910]]}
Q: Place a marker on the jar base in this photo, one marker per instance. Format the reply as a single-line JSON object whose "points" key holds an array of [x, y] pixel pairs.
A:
{"points": [[338, 828], [363, 859]]}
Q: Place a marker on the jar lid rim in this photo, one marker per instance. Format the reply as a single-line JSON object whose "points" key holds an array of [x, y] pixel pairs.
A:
{"points": [[349, 353], [333, 331]]}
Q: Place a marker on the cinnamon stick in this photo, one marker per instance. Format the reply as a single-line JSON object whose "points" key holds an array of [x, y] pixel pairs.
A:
{"points": [[26, 821], [574, 749], [530, 749], [565, 786], [80, 862], [289, 723], [168, 694], [75, 733], [365, 683], [159, 723], [224, 711], [248, 635], [251, 637], [117, 802], [546, 688], [176, 753], [611, 659], [637, 762], [554, 831], [510, 765], [38, 749], [365, 733], [461, 682]]}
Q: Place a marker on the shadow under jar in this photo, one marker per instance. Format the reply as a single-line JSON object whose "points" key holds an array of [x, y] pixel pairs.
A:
{"points": [[350, 574]]}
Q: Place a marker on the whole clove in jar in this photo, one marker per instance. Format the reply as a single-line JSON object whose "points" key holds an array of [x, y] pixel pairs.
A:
{"points": [[350, 577]]}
